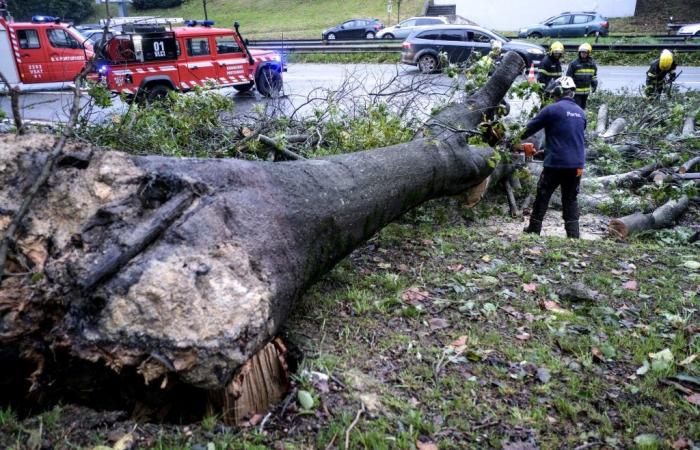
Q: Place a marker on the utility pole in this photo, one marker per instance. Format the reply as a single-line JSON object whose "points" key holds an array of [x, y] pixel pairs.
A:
{"points": [[123, 12], [204, 4], [398, 11]]}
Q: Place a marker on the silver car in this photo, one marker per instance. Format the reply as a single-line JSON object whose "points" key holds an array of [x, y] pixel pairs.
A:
{"points": [[404, 28]]}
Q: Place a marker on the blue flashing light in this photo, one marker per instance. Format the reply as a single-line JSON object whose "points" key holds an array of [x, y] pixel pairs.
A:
{"points": [[102, 70], [204, 23], [44, 19]]}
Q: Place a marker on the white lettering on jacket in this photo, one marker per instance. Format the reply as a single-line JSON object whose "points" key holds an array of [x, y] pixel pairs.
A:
{"points": [[570, 114]]}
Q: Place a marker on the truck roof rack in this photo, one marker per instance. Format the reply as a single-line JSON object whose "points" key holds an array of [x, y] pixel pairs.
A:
{"points": [[145, 20]]}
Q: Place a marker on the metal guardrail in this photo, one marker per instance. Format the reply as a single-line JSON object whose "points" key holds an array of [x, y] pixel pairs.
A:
{"points": [[386, 45]]}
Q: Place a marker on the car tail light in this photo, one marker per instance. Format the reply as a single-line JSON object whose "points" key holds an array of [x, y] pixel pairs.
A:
{"points": [[406, 45], [604, 24]]}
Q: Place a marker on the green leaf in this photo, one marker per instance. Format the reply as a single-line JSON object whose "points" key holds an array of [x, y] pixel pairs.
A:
{"points": [[692, 265], [646, 440], [661, 360], [305, 399]]}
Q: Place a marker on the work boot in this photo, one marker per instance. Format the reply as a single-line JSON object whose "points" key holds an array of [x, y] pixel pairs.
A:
{"points": [[572, 230], [535, 226]]}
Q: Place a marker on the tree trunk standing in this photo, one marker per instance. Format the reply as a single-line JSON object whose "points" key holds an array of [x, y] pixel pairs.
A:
{"points": [[190, 266], [662, 217]]}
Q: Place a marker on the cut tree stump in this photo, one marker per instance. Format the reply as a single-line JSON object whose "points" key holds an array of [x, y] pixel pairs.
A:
{"points": [[615, 128], [186, 268]]}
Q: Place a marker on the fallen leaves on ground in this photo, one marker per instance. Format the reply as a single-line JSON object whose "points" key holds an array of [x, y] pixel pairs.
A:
{"points": [[437, 323], [551, 305], [420, 445], [530, 287], [415, 295]]}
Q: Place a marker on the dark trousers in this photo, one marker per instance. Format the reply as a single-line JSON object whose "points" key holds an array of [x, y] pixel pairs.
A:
{"points": [[581, 100], [549, 181]]}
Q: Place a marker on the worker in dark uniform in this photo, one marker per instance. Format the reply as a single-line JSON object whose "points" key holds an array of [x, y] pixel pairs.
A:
{"points": [[584, 72], [550, 67], [662, 68], [564, 123]]}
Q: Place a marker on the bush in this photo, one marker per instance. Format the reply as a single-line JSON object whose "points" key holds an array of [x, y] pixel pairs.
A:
{"points": [[76, 10], [151, 4]]}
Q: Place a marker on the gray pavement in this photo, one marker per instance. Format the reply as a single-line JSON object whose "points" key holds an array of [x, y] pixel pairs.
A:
{"points": [[305, 81]]}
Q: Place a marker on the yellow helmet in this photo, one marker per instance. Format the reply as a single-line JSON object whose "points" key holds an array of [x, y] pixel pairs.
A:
{"points": [[666, 60], [556, 47], [585, 47]]}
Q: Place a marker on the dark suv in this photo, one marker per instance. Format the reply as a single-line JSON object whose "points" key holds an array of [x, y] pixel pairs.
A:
{"points": [[569, 24], [459, 42], [353, 29]]}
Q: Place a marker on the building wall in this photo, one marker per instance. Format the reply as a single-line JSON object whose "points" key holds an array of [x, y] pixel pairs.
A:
{"points": [[510, 15]]}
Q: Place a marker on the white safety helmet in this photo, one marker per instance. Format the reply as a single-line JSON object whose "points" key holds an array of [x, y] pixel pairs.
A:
{"points": [[565, 82], [561, 86]]}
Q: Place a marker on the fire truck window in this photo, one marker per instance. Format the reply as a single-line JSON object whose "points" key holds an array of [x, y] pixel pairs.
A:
{"points": [[61, 39], [226, 44], [28, 39], [198, 47]]}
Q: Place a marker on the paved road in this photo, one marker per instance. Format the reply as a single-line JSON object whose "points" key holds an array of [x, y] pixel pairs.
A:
{"points": [[308, 80]]}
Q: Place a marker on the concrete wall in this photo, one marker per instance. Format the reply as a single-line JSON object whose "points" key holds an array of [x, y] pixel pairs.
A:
{"points": [[511, 15]]}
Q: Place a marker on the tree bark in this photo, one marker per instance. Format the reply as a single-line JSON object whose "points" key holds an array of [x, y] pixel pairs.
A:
{"points": [[688, 165], [614, 129], [688, 126], [662, 217], [602, 122], [191, 266]]}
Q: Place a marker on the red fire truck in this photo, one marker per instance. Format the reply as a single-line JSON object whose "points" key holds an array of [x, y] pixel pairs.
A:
{"points": [[147, 61], [43, 54]]}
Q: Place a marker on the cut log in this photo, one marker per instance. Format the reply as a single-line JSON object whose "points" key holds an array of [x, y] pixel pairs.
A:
{"points": [[615, 128], [632, 178], [194, 265], [662, 217], [688, 165], [688, 126], [602, 122]]}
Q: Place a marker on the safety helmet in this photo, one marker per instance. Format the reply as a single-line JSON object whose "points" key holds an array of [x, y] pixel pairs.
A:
{"points": [[585, 47], [556, 48], [561, 85], [666, 60]]}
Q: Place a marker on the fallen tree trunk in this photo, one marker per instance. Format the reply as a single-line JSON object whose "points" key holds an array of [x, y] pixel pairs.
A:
{"points": [[632, 178], [688, 126], [688, 165], [662, 217], [615, 128], [188, 267], [602, 122]]}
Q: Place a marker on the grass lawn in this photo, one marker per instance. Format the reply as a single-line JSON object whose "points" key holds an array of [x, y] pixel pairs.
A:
{"points": [[445, 330], [276, 19]]}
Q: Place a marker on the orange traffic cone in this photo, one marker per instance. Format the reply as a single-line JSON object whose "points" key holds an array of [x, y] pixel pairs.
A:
{"points": [[531, 74]]}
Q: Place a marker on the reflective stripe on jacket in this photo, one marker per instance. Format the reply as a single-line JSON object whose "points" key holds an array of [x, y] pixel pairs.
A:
{"points": [[550, 69], [585, 75], [656, 75]]}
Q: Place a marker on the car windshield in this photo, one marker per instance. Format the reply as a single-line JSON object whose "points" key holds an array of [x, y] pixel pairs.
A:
{"points": [[549, 20], [499, 36]]}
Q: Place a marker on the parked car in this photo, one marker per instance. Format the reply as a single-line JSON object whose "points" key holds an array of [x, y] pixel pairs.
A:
{"points": [[94, 35], [459, 42], [353, 29], [691, 29], [569, 24], [404, 28]]}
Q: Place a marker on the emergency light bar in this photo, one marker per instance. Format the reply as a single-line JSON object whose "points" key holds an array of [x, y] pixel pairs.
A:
{"points": [[204, 23], [148, 20], [45, 19]]}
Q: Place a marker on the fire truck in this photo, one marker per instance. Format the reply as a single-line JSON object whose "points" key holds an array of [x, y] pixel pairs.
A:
{"points": [[146, 61], [43, 54]]}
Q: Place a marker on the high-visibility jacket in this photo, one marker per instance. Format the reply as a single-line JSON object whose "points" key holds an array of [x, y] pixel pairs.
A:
{"points": [[656, 76], [550, 69], [585, 75]]}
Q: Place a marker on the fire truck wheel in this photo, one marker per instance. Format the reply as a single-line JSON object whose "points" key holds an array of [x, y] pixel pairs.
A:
{"points": [[157, 92], [269, 82], [243, 87]]}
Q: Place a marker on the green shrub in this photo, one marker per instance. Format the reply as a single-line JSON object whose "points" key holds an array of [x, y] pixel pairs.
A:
{"points": [[69, 9], [151, 4]]}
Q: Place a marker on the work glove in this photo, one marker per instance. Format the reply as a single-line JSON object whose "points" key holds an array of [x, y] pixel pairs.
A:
{"points": [[579, 172], [672, 77]]}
